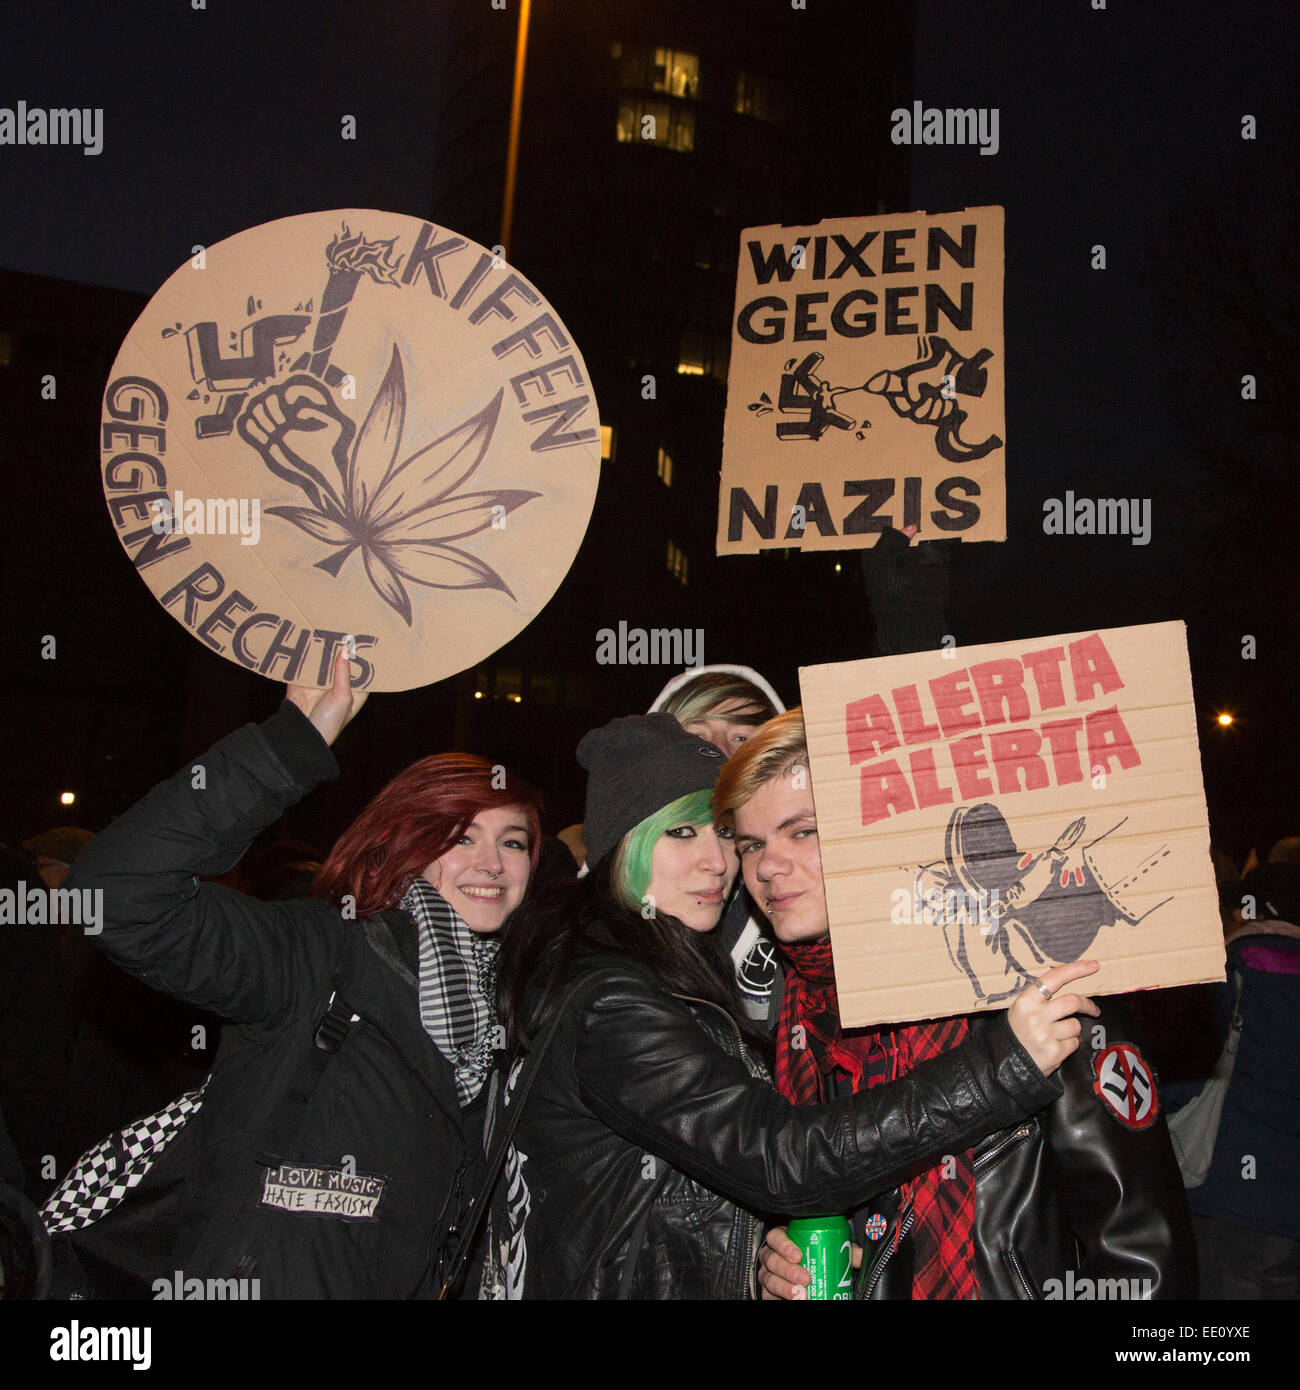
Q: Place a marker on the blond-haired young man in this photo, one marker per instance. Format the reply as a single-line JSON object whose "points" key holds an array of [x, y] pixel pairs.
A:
{"points": [[1074, 1194]]}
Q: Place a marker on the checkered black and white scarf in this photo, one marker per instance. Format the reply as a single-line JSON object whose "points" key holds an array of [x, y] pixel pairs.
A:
{"points": [[457, 987]]}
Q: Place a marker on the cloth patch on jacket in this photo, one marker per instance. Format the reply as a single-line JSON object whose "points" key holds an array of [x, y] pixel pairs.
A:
{"points": [[1126, 1086], [323, 1191]]}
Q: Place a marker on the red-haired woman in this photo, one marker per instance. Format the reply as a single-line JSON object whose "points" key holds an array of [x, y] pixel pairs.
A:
{"points": [[341, 1125]]}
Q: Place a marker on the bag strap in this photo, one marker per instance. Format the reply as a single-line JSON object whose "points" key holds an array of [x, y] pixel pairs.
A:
{"points": [[332, 1031], [468, 1224], [1234, 1027], [637, 1241], [281, 1129], [382, 937]]}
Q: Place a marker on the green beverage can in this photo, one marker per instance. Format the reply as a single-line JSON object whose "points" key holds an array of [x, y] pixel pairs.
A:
{"points": [[826, 1242]]}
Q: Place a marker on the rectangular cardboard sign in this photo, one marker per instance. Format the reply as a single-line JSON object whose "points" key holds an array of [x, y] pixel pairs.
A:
{"points": [[866, 383], [987, 812]]}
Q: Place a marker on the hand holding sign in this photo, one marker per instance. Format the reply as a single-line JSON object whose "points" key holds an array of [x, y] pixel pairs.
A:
{"points": [[332, 710], [1044, 1023]]}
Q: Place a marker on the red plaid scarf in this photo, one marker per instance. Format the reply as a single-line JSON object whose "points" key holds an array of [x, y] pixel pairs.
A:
{"points": [[810, 1045]]}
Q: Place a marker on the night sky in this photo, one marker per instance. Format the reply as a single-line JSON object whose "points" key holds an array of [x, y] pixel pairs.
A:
{"points": [[1119, 127], [214, 120], [1123, 128]]}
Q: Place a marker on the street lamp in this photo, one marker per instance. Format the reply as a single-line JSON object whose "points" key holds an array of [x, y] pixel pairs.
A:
{"points": [[512, 144]]}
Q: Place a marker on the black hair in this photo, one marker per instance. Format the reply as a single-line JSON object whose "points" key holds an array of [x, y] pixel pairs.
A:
{"points": [[572, 919]]}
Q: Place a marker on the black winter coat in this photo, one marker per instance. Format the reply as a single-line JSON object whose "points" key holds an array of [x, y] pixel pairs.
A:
{"points": [[294, 1208], [652, 1129], [1082, 1201]]}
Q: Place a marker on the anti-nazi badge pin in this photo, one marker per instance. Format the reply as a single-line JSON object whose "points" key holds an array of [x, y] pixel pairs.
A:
{"points": [[1126, 1085]]}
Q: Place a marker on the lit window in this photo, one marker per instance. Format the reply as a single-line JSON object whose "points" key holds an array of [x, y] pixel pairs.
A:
{"points": [[508, 684], [6, 349], [677, 562], [677, 73], [665, 466], [703, 354], [693, 356], [606, 443], [656, 123]]}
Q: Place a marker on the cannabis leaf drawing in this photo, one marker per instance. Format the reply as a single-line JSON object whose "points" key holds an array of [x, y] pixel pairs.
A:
{"points": [[401, 513]]}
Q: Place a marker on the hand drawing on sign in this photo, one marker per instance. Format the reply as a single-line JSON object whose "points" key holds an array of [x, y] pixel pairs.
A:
{"points": [[927, 393], [400, 513], [1013, 914]]}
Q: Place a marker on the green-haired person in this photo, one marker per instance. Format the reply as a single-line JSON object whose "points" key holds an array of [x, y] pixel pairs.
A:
{"points": [[652, 1138]]}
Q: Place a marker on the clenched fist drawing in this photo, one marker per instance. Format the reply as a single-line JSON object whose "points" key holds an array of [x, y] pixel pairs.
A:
{"points": [[303, 438]]}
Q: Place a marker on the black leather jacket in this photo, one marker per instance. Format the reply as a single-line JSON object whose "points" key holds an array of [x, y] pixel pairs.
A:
{"points": [[651, 1129], [1072, 1203]]}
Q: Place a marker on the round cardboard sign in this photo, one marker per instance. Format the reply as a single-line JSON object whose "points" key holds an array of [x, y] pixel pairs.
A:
{"points": [[351, 429]]}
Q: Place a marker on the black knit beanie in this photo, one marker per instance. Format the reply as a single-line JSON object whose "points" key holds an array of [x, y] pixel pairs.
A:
{"points": [[635, 767]]}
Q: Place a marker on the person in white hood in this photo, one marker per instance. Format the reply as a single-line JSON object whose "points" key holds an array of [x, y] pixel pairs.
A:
{"points": [[724, 705]]}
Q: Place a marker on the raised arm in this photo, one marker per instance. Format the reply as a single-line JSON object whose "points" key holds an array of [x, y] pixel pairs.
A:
{"points": [[209, 945]]}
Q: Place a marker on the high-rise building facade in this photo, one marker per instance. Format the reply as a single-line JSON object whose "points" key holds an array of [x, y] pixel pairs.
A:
{"points": [[650, 136]]}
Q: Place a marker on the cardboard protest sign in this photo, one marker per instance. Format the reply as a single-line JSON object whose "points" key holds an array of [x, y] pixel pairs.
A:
{"points": [[987, 812], [350, 428], [866, 383]]}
